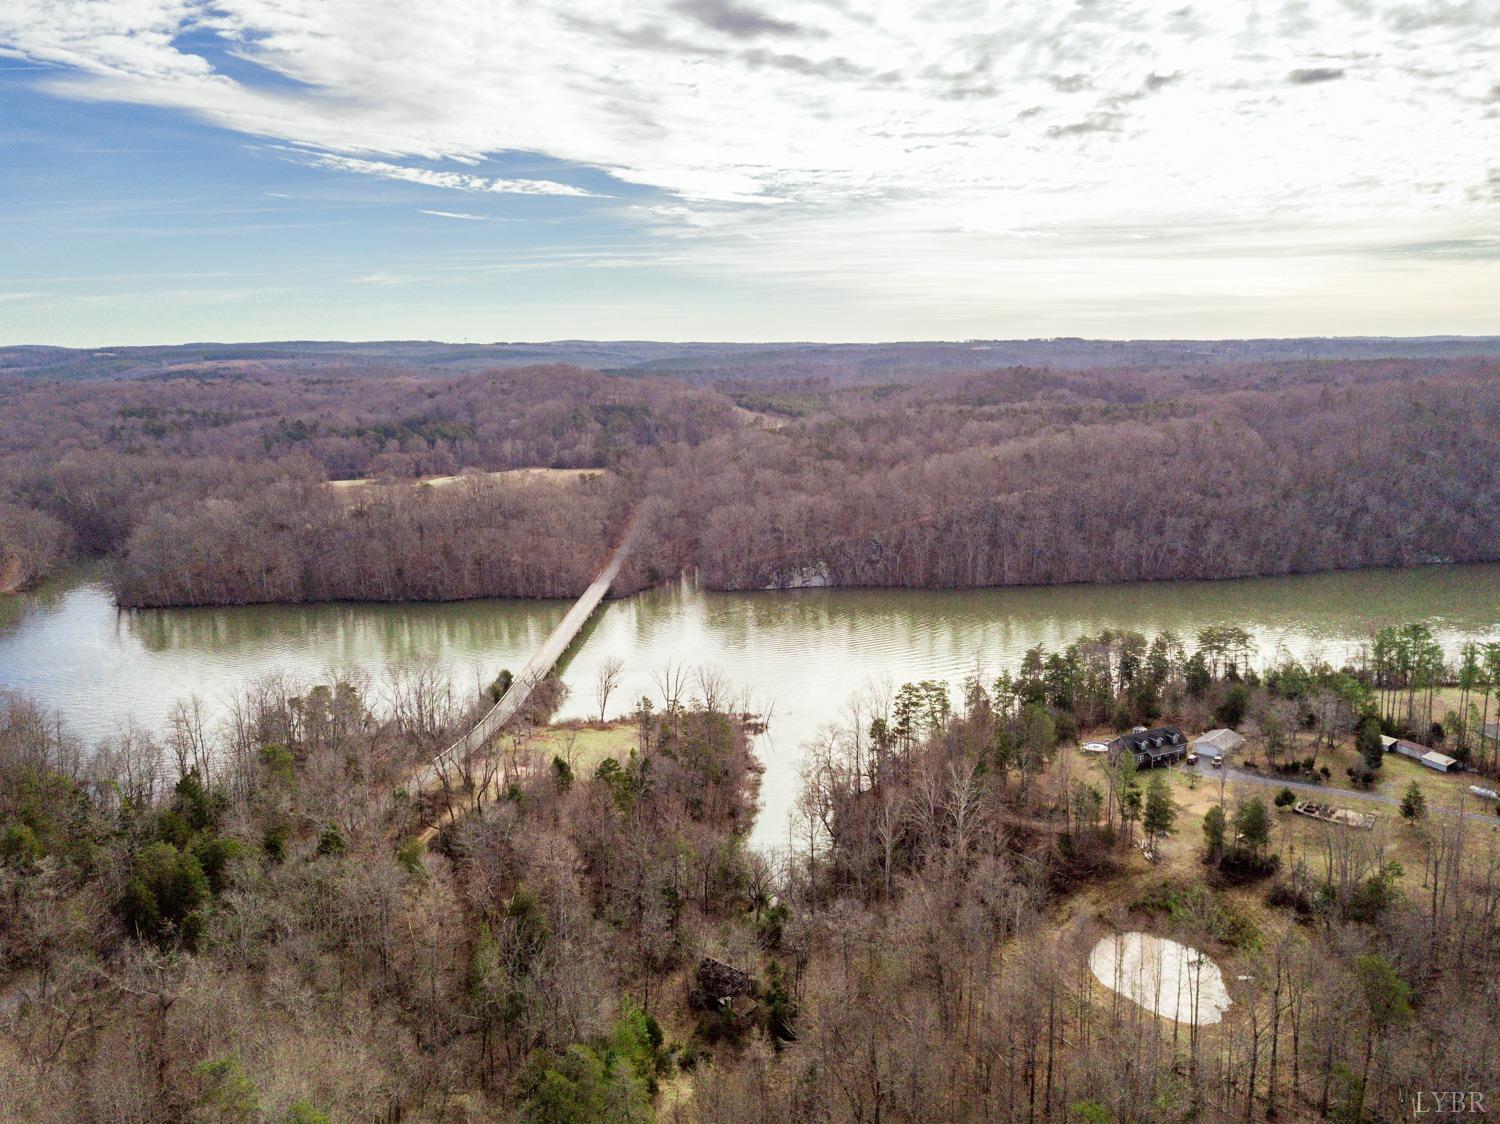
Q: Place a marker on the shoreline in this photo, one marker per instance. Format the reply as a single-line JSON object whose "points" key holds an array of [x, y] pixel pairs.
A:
{"points": [[10, 578], [64, 578]]}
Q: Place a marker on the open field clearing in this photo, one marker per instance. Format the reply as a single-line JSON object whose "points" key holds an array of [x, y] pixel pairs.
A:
{"points": [[504, 476], [583, 745]]}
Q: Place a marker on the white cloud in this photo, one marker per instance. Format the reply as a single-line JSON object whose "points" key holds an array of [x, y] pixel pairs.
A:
{"points": [[149, 299], [382, 277], [894, 148], [454, 181], [453, 215]]}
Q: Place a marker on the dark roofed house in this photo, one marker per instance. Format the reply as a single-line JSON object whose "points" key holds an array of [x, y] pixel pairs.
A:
{"points": [[1150, 748]]}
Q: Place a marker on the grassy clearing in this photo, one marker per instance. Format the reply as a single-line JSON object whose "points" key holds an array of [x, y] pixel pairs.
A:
{"points": [[583, 745], [1442, 790], [1446, 790], [1294, 835]]}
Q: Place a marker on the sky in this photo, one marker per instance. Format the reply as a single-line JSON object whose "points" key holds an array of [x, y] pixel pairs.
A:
{"points": [[183, 170]]}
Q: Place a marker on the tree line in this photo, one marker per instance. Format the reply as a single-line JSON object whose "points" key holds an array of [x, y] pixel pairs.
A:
{"points": [[303, 542]]}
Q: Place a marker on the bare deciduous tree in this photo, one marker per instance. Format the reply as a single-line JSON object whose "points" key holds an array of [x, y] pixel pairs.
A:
{"points": [[606, 679], [187, 738], [671, 680], [713, 688]]}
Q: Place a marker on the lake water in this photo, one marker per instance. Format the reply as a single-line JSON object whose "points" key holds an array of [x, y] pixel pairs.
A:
{"points": [[802, 654]]}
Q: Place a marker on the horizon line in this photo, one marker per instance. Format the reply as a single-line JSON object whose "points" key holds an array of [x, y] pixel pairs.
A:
{"points": [[639, 340]]}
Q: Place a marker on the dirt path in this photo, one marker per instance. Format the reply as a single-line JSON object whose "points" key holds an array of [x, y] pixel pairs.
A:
{"points": [[469, 801]]}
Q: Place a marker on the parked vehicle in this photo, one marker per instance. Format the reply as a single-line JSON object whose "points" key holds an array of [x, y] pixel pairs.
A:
{"points": [[1218, 761], [1192, 759]]}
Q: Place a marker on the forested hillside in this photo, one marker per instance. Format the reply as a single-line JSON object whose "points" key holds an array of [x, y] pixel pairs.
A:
{"points": [[1027, 477], [212, 489]]}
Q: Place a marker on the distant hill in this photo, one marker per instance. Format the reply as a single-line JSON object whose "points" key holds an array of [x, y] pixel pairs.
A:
{"points": [[708, 361]]}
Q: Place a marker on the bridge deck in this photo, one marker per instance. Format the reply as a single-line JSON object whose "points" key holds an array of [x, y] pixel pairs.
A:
{"points": [[445, 764]]}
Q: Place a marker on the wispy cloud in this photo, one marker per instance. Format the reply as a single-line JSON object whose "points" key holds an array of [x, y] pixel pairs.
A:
{"points": [[808, 138], [739, 20], [197, 297], [465, 215], [804, 101], [453, 181], [383, 277]]}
